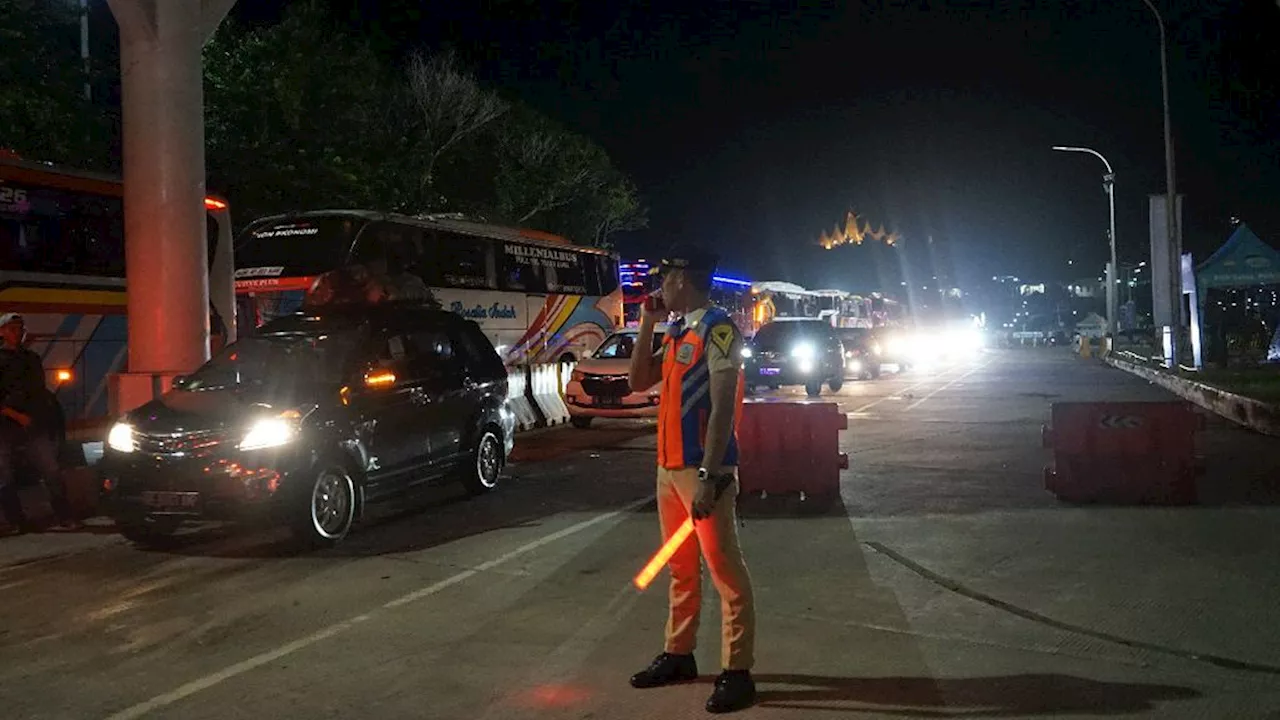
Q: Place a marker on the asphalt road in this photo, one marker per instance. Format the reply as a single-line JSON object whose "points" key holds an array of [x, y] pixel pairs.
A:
{"points": [[947, 583]]}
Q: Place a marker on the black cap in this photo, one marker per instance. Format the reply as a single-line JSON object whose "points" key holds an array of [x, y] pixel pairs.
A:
{"points": [[689, 257]]}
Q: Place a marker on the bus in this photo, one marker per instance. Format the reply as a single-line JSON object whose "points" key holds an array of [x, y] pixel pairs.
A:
{"points": [[537, 297], [842, 309], [62, 267], [732, 294]]}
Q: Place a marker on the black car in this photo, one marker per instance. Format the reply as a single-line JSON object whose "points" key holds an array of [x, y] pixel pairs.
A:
{"points": [[795, 352], [311, 418], [862, 352]]}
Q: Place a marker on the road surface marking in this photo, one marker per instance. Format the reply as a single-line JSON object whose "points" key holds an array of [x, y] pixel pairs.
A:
{"points": [[244, 666], [898, 396], [944, 387]]}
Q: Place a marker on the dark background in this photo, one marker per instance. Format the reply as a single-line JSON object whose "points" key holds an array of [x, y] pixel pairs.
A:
{"points": [[754, 126]]}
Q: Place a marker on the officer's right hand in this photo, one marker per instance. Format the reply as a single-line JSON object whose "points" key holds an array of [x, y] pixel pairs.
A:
{"points": [[653, 310]]}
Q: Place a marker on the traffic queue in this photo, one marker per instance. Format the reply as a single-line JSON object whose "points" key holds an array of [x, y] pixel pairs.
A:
{"points": [[812, 339]]}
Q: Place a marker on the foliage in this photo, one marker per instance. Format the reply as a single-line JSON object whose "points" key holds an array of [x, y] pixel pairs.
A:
{"points": [[302, 116], [44, 114]]}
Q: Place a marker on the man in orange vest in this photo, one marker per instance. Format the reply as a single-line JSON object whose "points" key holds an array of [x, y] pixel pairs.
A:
{"points": [[700, 367]]}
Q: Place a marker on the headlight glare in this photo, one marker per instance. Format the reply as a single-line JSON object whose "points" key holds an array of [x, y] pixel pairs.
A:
{"points": [[269, 433], [803, 351], [120, 438]]}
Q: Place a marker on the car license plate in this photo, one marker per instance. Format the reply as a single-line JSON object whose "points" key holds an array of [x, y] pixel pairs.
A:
{"points": [[609, 402], [770, 371], [170, 500]]}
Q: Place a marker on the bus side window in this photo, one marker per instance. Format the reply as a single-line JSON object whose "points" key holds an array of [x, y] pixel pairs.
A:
{"points": [[520, 273], [459, 261]]}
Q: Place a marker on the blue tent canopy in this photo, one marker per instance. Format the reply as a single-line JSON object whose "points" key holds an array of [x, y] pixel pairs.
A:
{"points": [[1242, 261]]}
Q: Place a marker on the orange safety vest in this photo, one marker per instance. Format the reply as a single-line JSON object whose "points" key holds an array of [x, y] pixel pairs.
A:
{"points": [[684, 403]]}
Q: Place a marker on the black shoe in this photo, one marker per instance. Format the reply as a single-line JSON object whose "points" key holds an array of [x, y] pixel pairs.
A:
{"points": [[735, 690], [665, 670]]}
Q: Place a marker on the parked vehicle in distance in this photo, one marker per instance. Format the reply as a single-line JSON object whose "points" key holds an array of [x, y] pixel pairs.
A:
{"points": [[310, 419], [798, 351], [862, 352], [599, 386]]}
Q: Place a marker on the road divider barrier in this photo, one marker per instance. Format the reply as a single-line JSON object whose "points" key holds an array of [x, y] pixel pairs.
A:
{"points": [[548, 393], [1124, 452], [520, 398], [792, 447]]}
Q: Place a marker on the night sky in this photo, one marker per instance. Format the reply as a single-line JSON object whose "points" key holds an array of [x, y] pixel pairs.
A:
{"points": [[752, 127]]}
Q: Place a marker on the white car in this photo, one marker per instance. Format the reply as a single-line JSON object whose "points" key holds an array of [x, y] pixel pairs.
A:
{"points": [[599, 386]]}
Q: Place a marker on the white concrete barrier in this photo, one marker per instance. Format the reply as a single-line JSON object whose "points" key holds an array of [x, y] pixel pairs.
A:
{"points": [[548, 393], [518, 397]]}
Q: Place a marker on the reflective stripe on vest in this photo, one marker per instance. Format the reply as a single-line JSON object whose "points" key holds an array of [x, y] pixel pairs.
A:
{"points": [[684, 406]]}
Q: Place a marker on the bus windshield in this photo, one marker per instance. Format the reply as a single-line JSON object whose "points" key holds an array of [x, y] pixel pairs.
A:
{"points": [[298, 246]]}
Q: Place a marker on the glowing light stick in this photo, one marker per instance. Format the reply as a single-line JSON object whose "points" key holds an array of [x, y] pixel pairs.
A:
{"points": [[663, 556]]}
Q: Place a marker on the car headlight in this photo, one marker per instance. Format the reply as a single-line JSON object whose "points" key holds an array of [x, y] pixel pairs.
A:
{"points": [[855, 366], [577, 375], [803, 351], [271, 432], [120, 438], [746, 352]]}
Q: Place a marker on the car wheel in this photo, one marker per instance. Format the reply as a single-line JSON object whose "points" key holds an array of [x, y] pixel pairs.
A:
{"points": [[814, 389], [835, 384], [327, 509], [485, 468], [581, 422], [149, 532]]}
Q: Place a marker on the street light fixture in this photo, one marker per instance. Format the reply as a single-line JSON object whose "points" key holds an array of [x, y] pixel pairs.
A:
{"points": [[1171, 200], [1108, 183]]}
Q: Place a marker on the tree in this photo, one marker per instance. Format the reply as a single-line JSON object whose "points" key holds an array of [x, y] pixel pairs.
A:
{"points": [[43, 110], [561, 180], [450, 104], [301, 116]]}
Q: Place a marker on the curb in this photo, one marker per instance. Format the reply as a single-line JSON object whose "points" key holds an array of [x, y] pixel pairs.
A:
{"points": [[1253, 414]]}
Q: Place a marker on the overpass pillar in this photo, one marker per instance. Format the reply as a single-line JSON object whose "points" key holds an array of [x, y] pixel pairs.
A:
{"points": [[166, 253]]}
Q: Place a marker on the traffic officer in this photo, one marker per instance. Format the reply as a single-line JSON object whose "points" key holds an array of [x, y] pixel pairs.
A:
{"points": [[27, 418], [700, 368]]}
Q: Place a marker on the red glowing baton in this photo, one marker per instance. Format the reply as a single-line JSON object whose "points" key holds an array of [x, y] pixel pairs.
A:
{"points": [[663, 556]]}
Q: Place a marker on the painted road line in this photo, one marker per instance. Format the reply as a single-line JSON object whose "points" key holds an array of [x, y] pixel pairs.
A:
{"points": [[919, 402], [244, 666], [898, 395]]}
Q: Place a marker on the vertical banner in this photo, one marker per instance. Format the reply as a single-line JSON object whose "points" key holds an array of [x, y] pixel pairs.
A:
{"points": [[1166, 271], [1190, 289]]}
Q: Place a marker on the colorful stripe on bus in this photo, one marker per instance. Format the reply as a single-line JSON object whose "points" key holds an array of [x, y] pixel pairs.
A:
{"points": [[563, 322]]}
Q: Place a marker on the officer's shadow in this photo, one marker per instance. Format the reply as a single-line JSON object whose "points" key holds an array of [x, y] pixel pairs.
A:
{"points": [[995, 696]]}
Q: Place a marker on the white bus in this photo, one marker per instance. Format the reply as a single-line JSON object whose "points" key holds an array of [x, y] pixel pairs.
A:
{"points": [[62, 267], [538, 297]]}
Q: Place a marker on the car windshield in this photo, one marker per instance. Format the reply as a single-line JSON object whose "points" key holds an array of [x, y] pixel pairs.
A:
{"points": [[775, 336], [295, 359], [622, 345]]}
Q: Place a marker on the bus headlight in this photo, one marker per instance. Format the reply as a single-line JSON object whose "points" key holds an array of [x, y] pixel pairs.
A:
{"points": [[120, 438]]}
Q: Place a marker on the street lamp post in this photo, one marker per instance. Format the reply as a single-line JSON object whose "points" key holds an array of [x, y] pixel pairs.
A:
{"points": [[1108, 183], [1171, 202]]}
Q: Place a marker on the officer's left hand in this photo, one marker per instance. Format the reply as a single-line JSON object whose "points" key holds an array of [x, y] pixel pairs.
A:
{"points": [[704, 501]]}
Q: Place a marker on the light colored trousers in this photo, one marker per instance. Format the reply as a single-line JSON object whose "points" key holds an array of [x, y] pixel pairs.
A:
{"points": [[715, 539]]}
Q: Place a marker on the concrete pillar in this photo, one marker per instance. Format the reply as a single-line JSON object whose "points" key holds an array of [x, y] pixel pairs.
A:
{"points": [[164, 187]]}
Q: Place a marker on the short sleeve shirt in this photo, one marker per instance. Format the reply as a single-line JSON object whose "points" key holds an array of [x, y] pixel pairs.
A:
{"points": [[724, 342]]}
